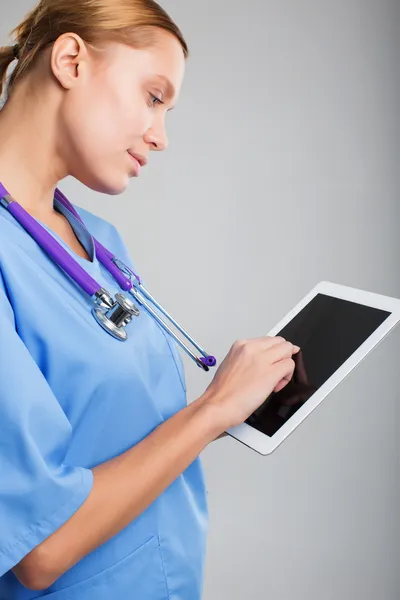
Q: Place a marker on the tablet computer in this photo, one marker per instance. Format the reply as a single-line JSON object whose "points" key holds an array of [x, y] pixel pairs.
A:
{"points": [[336, 327]]}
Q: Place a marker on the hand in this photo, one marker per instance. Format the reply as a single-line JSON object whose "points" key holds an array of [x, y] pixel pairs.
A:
{"points": [[221, 435], [250, 372], [300, 388]]}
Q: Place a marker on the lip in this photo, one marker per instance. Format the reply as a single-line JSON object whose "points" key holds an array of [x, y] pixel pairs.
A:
{"points": [[135, 163], [142, 160]]}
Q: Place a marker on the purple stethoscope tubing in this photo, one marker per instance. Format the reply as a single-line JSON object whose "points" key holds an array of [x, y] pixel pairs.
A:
{"points": [[121, 273]]}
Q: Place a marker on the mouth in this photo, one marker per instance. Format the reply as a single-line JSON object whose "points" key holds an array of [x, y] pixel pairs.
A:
{"points": [[138, 161]]}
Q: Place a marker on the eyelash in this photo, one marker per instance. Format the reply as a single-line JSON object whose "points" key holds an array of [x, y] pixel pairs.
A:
{"points": [[154, 100]]}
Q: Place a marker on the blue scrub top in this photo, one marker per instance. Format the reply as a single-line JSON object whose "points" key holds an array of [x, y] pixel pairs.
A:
{"points": [[72, 397]]}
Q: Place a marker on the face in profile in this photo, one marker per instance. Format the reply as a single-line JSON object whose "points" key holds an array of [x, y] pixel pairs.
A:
{"points": [[118, 109]]}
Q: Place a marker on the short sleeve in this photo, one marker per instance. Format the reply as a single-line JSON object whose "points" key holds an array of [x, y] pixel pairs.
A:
{"points": [[39, 492]]}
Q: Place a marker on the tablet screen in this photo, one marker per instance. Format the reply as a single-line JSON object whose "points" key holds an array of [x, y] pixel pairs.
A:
{"points": [[328, 330]]}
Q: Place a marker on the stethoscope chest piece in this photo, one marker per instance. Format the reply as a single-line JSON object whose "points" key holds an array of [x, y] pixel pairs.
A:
{"points": [[116, 318]]}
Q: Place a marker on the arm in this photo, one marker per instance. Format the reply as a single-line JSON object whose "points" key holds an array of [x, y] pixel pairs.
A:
{"points": [[126, 485], [123, 488]]}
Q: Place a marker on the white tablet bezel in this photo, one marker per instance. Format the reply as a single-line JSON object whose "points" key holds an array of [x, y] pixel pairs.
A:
{"points": [[264, 444]]}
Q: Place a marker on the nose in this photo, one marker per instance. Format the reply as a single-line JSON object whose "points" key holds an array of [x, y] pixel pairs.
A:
{"points": [[156, 138]]}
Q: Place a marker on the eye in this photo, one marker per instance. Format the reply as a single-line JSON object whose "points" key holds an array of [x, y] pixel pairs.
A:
{"points": [[154, 100]]}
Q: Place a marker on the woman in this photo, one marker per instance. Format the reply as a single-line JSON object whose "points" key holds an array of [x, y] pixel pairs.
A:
{"points": [[102, 493]]}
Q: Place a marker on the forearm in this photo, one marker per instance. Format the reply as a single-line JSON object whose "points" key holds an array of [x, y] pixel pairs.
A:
{"points": [[123, 488]]}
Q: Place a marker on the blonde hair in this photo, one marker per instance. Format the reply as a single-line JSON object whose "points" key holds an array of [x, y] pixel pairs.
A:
{"points": [[130, 22]]}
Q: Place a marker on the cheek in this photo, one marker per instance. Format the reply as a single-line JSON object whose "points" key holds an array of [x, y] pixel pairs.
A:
{"points": [[103, 119], [99, 130]]}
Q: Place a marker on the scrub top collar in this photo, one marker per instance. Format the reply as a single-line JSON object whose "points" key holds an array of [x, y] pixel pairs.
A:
{"points": [[80, 231]]}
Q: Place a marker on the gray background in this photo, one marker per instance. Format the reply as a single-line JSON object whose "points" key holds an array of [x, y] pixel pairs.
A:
{"points": [[282, 170]]}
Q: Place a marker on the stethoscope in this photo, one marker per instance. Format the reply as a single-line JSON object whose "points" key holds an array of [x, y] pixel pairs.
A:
{"points": [[113, 314]]}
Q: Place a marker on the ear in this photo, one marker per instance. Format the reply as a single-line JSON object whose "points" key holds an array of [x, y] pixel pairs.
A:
{"points": [[69, 60]]}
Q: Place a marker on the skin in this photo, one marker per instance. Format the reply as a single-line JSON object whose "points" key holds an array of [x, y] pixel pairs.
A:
{"points": [[78, 113], [49, 127]]}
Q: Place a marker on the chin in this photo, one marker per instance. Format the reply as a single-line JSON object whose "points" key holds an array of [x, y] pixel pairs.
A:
{"points": [[111, 185]]}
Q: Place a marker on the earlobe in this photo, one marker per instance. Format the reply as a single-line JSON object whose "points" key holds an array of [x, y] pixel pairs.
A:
{"points": [[68, 54]]}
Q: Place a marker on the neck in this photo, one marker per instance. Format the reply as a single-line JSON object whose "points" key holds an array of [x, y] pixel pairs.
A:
{"points": [[30, 166]]}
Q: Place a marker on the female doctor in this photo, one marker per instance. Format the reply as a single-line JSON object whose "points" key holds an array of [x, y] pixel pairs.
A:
{"points": [[102, 494]]}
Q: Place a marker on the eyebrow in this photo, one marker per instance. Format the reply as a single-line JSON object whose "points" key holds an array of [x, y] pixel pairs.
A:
{"points": [[170, 88]]}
